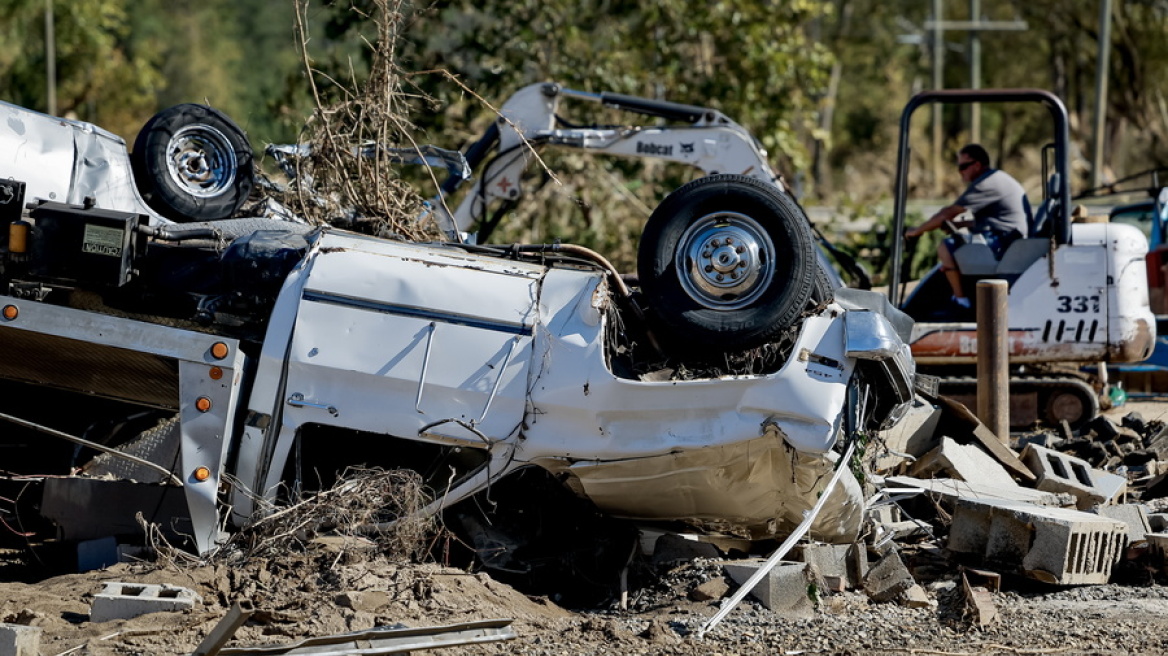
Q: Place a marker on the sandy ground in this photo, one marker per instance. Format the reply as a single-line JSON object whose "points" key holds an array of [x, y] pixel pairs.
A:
{"points": [[335, 586]]}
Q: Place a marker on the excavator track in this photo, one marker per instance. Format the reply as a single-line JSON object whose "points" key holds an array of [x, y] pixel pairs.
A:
{"points": [[1046, 400]]}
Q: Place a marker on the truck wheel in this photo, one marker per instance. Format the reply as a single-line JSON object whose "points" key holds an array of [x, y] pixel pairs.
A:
{"points": [[726, 263], [192, 163]]}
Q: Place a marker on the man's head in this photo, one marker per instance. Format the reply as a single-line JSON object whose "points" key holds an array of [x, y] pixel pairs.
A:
{"points": [[972, 161]]}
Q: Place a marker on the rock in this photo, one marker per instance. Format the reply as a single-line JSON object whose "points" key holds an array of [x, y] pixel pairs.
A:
{"points": [[364, 600], [710, 590], [916, 597]]}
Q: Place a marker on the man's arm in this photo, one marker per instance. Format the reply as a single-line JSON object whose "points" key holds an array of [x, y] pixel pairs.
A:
{"points": [[949, 213]]}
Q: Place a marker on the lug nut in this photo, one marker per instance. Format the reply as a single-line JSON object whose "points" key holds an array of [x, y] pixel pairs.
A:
{"points": [[742, 264], [740, 249], [707, 254], [734, 275], [709, 268], [721, 277]]}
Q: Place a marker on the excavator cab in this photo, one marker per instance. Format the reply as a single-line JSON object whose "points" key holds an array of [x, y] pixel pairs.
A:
{"points": [[1074, 299]]}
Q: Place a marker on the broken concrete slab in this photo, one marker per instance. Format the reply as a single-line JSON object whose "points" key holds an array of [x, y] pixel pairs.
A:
{"points": [[20, 640], [950, 491], [1133, 514], [888, 578], [912, 436], [962, 425], [123, 601], [964, 462], [979, 602], [848, 562], [1059, 472], [784, 590], [1054, 545]]}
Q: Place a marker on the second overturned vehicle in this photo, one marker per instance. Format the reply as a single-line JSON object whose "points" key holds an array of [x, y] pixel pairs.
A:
{"points": [[214, 367]]}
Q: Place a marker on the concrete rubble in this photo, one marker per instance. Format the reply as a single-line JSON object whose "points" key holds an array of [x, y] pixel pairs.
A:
{"points": [[950, 505]]}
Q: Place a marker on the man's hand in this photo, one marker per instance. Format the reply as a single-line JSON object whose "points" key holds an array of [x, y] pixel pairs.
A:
{"points": [[913, 233]]}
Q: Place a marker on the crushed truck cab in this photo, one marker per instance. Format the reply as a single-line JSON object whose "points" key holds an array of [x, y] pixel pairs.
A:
{"points": [[191, 373]]}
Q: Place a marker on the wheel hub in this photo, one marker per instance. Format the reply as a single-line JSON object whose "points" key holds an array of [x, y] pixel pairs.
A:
{"points": [[200, 159], [725, 261]]}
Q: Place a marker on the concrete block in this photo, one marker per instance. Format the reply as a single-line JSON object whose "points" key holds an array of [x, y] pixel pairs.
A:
{"points": [[1059, 472], [912, 435], [950, 491], [1054, 545], [888, 578], [963, 462], [20, 640], [1132, 514], [848, 562], [1158, 522], [784, 590], [1158, 550], [123, 601]]}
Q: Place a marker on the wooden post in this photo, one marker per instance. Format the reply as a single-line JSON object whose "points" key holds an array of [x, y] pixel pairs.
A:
{"points": [[993, 358]]}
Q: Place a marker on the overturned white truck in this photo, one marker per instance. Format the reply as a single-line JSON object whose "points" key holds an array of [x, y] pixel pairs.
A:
{"points": [[193, 372]]}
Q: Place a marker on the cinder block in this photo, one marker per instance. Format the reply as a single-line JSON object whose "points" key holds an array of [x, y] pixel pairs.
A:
{"points": [[950, 491], [1132, 514], [888, 578], [963, 462], [784, 590], [1158, 522], [1055, 545], [122, 601], [20, 640], [1059, 472], [1158, 550], [848, 562]]}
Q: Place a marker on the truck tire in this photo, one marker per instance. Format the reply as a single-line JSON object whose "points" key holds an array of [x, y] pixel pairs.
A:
{"points": [[726, 263], [192, 163]]}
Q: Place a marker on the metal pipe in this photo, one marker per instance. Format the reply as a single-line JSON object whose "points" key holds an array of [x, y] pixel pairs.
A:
{"points": [[235, 618], [809, 516], [993, 358]]}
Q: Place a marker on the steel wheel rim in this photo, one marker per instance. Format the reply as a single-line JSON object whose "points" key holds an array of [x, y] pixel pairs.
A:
{"points": [[201, 160], [725, 261]]}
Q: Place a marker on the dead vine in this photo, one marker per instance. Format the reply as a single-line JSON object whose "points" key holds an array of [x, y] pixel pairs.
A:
{"points": [[347, 176]]}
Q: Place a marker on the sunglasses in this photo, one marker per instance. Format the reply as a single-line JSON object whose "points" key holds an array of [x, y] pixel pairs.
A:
{"points": [[964, 165]]}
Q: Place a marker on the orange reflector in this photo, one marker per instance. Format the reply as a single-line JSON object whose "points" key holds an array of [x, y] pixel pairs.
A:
{"points": [[216, 373], [219, 350], [202, 404], [11, 312], [201, 474]]}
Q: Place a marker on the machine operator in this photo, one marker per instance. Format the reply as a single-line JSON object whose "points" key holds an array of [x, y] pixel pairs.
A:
{"points": [[1000, 211]]}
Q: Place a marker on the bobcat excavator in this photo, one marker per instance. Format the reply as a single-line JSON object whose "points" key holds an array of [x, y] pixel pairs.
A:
{"points": [[701, 137], [1078, 292]]}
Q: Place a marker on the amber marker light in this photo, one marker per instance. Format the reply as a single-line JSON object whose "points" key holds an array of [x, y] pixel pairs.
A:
{"points": [[216, 373], [11, 312], [219, 350], [201, 474], [202, 404]]}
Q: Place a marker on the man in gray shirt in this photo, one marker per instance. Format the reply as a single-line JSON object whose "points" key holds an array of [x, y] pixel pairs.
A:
{"points": [[1000, 210]]}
